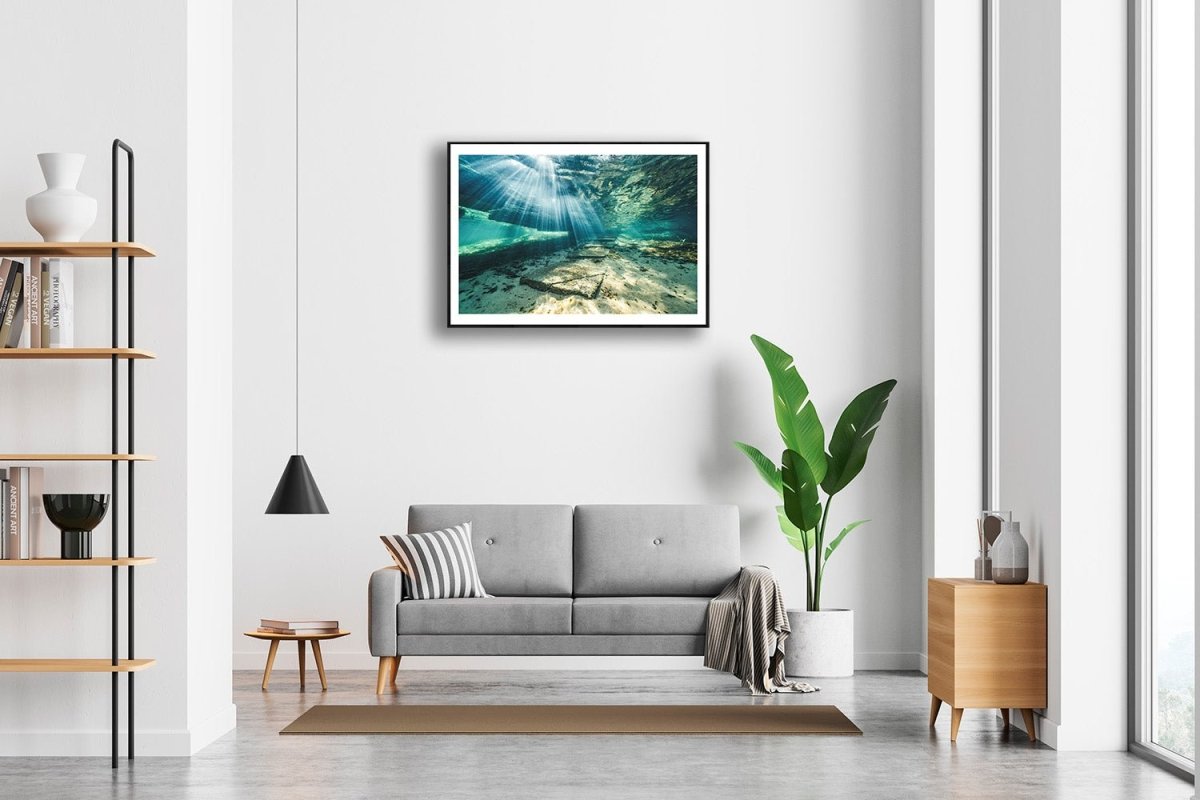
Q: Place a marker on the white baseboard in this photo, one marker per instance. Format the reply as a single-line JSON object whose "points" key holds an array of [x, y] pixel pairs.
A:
{"points": [[887, 661], [1047, 729], [212, 728], [256, 660], [924, 666], [365, 661], [151, 743]]}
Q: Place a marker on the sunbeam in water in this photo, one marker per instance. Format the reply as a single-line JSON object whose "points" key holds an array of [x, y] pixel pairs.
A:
{"points": [[577, 234]]}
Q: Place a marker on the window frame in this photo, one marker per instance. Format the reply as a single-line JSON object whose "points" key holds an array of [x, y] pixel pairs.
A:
{"points": [[1141, 374]]}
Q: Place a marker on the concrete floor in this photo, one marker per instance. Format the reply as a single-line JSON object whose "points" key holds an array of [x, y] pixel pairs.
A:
{"points": [[897, 757]]}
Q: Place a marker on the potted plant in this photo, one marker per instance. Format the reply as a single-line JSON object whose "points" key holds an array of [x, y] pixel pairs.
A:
{"points": [[822, 639]]}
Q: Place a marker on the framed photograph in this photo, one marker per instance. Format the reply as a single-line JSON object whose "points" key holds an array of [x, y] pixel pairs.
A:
{"points": [[575, 234]]}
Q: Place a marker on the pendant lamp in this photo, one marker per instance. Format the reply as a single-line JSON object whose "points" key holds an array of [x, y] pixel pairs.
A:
{"points": [[297, 491]]}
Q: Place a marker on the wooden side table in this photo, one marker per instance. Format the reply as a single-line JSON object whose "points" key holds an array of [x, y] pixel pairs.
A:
{"points": [[987, 648], [299, 639]]}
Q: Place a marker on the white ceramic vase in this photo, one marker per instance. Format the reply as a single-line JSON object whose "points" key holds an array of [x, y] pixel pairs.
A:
{"points": [[61, 213], [821, 644]]}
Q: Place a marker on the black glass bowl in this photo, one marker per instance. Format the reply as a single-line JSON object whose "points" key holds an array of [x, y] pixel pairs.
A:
{"points": [[76, 515], [75, 512]]}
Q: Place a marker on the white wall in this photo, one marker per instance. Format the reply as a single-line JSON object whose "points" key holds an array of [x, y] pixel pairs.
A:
{"points": [[813, 110], [1028, 243], [119, 70], [1063, 326]]}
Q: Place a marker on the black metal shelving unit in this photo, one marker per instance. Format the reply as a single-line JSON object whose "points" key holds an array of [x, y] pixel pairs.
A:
{"points": [[116, 354], [117, 148]]}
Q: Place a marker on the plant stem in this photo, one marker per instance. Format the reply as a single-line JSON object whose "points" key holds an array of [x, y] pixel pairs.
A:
{"points": [[808, 583], [819, 549]]}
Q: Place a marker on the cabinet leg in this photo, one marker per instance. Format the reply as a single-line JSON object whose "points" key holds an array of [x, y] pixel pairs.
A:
{"points": [[320, 663], [1004, 714], [385, 671], [270, 663], [955, 719], [392, 676], [300, 652], [1027, 715], [935, 705]]}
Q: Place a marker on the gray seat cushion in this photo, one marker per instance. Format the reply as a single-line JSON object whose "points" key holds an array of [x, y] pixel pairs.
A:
{"points": [[485, 615], [675, 645], [639, 615], [520, 550], [654, 550]]}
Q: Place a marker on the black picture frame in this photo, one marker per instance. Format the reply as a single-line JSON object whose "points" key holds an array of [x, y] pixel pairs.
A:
{"points": [[700, 318]]}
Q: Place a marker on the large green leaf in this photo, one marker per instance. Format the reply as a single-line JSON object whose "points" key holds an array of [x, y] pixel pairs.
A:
{"points": [[853, 435], [798, 422], [801, 502], [829, 548], [801, 540], [766, 467]]}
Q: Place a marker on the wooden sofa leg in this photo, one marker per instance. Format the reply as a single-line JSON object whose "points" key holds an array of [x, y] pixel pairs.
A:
{"points": [[387, 672], [395, 669]]}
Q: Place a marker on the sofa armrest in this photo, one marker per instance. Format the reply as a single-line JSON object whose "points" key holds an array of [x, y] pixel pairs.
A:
{"points": [[384, 592]]}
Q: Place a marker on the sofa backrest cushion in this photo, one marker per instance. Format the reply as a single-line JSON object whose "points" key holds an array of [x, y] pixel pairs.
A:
{"points": [[521, 551], [655, 550]]}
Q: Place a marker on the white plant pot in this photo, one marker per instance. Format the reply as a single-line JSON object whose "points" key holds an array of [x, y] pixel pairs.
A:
{"points": [[821, 644], [61, 213]]}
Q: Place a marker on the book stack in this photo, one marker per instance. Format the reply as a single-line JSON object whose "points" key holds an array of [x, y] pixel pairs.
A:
{"points": [[37, 302], [298, 627], [21, 526]]}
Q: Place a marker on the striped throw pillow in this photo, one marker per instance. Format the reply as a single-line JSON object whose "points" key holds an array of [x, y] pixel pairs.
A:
{"points": [[437, 565]]}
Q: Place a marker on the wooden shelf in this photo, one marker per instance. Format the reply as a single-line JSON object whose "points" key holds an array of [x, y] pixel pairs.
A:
{"points": [[59, 353], [127, 561], [74, 664], [15, 457], [76, 249]]}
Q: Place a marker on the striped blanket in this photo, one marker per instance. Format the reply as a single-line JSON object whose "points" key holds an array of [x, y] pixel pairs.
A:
{"points": [[747, 626]]}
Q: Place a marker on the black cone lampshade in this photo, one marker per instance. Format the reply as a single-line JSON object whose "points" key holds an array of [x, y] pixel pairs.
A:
{"points": [[297, 491]]}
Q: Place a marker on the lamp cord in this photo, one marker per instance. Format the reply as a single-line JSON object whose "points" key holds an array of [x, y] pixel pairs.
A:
{"points": [[297, 319]]}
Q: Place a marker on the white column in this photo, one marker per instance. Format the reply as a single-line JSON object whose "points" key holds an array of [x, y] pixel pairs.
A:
{"points": [[210, 710], [1092, 561], [952, 285]]}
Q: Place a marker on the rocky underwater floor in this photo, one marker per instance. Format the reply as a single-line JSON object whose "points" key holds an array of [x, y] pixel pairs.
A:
{"points": [[608, 276]]}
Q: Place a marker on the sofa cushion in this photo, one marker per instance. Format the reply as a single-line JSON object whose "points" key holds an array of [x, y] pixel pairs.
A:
{"points": [[485, 615], [519, 550], [639, 615], [424, 645], [654, 550]]}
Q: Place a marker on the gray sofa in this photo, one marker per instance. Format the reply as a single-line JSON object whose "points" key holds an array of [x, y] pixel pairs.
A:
{"points": [[588, 580]]}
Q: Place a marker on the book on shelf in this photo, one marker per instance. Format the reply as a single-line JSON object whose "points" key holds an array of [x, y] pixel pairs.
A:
{"points": [[44, 282], [4, 514], [8, 277], [297, 625], [25, 512], [61, 274], [10, 300], [31, 311]]}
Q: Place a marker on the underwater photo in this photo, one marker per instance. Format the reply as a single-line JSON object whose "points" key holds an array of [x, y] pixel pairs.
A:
{"points": [[578, 234]]}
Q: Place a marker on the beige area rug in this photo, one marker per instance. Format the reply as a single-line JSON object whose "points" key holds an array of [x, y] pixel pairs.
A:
{"points": [[780, 720]]}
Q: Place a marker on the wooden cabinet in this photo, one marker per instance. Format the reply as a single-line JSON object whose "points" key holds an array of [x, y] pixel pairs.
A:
{"points": [[987, 648]]}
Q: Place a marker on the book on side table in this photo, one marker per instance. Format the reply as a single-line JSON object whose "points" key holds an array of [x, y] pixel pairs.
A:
{"points": [[297, 626]]}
